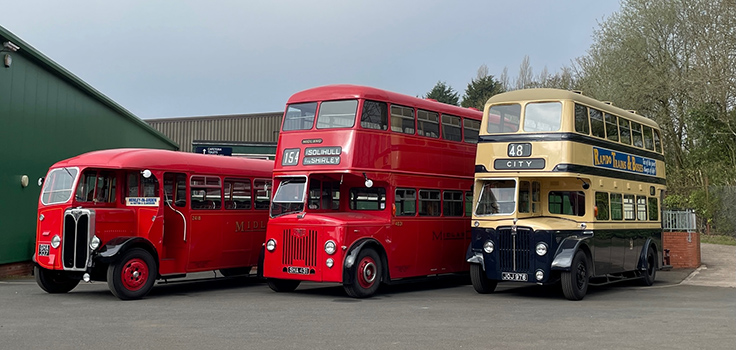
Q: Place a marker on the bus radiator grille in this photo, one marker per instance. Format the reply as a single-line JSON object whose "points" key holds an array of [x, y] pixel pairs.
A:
{"points": [[514, 249], [75, 240], [300, 245]]}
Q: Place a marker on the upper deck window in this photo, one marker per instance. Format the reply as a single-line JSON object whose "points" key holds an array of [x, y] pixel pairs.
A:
{"points": [[504, 118], [57, 188], [648, 140], [402, 119], [451, 128], [636, 134], [470, 130], [611, 127], [374, 116], [657, 144], [543, 116], [597, 126], [581, 119], [625, 129], [300, 116], [428, 123], [337, 114]]}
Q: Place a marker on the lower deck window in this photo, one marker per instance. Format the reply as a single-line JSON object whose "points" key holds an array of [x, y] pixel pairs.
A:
{"points": [[567, 203]]}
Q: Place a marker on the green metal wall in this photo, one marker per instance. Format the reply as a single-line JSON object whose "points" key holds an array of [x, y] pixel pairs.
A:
{"points": [[48, 114]]}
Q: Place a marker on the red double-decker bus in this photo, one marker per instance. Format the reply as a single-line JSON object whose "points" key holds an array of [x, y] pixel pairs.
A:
{"points": [[370, 186], [131, 216]]}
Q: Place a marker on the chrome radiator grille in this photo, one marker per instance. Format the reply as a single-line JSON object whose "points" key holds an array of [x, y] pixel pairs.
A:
{"points": [[79, 226], [515, 249], [300, 246]]}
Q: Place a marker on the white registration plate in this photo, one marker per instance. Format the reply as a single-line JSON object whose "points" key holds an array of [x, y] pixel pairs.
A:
{"points": [[514, 276], [297, 270], [43, 250]]}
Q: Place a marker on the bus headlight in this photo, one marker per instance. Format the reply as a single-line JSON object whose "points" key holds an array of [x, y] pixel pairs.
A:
{"points": [[476, 223], [95, 243], [330, 262], [488, 247], [56, 241], [271, 245], [330, 247], [541, 248], [539, 275]]}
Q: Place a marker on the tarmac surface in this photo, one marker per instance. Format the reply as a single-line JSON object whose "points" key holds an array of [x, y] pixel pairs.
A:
{"points": [[717, 269]]}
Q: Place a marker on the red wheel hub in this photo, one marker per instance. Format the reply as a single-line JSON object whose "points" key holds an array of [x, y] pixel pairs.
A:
{"points": [[134, 274], [367, 272]]}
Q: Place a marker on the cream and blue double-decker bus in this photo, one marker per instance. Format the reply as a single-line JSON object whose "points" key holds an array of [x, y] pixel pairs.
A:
{"points": [[567, 189]]}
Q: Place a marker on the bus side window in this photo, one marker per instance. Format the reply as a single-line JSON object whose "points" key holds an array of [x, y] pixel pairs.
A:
{"points": [[374, 116], [641, 208], [429, 203], [260, 187], [597, 127], [237, 194], [601, 205], [175, 187], [653, 209], [617, 208], [206, 192], [402, 119], [405, 200], [452, 203], [629, 207], [468, 204], [581, 119]]}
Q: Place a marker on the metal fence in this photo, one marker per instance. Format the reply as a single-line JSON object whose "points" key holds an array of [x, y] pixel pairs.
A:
{"points": [[679, 220]]}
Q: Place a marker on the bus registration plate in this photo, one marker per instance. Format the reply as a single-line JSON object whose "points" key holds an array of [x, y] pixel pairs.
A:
{"points": [[297, 270], [43, 250], [513, 276]]}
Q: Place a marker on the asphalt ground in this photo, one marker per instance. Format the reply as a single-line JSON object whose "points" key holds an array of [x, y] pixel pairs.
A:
{"points": [[684, 309]]}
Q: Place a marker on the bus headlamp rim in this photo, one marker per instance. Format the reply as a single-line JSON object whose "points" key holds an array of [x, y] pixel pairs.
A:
{"points": [[488, 247], [55, 241], [330, 247], [271, 244], [95, 242], [541, 248]]}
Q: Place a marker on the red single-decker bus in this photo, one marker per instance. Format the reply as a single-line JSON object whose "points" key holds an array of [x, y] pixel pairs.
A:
{"points": [[370, 186], [131, 216]]}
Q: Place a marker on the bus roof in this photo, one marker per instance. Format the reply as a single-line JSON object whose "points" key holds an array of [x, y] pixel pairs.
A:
{"points": [[545, 94], [137, 158], [346, 91]]}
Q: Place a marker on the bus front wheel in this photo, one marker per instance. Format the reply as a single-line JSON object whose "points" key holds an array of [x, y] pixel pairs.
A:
{"points": [[575, 281], [367, 275], [53, 281], [282, 286], [132, 277], [481, 282]]}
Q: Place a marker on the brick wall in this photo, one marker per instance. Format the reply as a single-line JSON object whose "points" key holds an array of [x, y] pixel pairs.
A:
{"points": [[16, 269], [683, 253]]}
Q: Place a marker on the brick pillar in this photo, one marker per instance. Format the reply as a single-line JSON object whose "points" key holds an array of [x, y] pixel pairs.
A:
{"points": [[684, 248]]}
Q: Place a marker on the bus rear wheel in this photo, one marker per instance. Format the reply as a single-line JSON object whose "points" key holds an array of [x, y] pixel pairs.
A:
{"points": [[283, 286], [53, 281], [651, 269], [367, 275], [132, 277], [481, 282], [575, 281]]}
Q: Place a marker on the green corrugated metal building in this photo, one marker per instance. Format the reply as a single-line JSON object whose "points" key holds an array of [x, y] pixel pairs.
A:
{"points": [[48, 114]]}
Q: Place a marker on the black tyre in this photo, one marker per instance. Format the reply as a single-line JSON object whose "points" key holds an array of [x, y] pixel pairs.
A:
{"points": [[133, 276], [575, 281], [480, 281], [651, 269], [282, 286], [236, 271], [54, 281], [367, 275]]}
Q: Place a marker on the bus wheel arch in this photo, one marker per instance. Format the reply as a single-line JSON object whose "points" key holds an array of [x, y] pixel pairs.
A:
{"points": [[365, 269]]}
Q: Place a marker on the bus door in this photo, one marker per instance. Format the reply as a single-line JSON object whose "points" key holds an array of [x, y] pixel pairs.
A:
{"points": [[175, 226], [206, 213], [405, 239]]}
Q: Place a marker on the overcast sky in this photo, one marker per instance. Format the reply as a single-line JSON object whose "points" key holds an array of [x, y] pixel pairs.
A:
{"points": [[192, 58]]}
